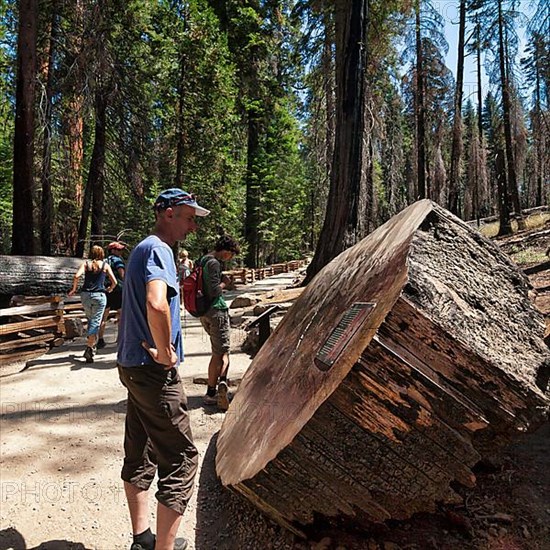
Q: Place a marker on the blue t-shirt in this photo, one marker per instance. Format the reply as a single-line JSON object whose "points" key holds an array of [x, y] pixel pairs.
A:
{"points": [[151, 259]]}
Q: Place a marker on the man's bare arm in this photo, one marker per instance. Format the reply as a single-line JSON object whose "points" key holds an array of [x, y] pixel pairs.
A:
{"points": [[160, 324]]}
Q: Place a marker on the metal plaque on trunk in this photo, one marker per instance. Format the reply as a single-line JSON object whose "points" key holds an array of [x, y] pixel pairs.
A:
{"points": [[338, 339]]}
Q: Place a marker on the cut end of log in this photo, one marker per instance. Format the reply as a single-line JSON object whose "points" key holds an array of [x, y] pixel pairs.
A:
{"points": [[375, 412]]}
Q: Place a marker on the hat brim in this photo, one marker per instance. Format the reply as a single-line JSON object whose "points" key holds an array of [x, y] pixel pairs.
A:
{"points": [[199, 210]]}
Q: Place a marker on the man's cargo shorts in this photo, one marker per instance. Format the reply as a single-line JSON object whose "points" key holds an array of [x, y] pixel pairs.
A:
{"points": [[217, 325], [157, 434]]}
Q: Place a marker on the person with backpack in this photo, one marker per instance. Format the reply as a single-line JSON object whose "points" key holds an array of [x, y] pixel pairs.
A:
{"points": [[93, 294], [215, 320], [114, 298]]}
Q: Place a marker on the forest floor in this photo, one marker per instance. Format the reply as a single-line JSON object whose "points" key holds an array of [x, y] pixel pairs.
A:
{"points": [[62, 423]]}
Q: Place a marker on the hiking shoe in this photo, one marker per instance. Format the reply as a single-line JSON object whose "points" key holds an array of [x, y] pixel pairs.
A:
{"points": [[223, 396], [210, 399], [101, 343], [179, 544], [89, 355]]}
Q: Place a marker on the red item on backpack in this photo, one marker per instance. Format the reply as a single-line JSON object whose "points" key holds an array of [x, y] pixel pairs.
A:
{"points": [[194, 299]]}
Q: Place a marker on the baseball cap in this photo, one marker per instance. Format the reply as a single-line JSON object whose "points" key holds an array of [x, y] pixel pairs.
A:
{"points": [[177, 197], [116, 246]]}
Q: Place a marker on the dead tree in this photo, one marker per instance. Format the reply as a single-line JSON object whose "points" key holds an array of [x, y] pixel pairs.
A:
{"points": [[36, 275], [406, 360]]}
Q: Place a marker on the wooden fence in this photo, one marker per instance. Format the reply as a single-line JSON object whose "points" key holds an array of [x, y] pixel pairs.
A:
{"points": [[246, 275], [35, 324]]}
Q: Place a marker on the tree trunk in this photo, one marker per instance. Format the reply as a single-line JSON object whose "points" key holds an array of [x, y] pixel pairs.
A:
{"points": [[479, 84], [394, 372], [538, 126], [506, 111], [70, 205], [23, 141], [46, 217], [328, 74], [253, 191], [180, 152], [94, 185], [97, 169], [420, 112], [505, 227], [36, 275], [343, 208], [456, 148]]}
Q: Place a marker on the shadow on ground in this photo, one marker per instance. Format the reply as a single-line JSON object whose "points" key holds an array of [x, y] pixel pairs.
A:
{"points": [[227, 521], [12, 539]]}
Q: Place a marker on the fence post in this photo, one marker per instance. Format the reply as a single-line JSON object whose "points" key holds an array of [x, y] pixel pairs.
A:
{"points": [[59, 313]]}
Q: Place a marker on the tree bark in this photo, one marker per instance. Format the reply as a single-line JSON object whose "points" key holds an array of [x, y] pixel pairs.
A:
{"points": [[456, 148], [93, 195], [253, 191], [343, 208], [420, 111], [97, 168], [180, 147], [505, 226], [506, 111], [23, 150], [46, 212], [394, 372], [36, 275]]}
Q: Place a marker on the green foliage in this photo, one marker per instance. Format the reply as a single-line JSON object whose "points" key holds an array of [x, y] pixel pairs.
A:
{"points": [[7, 114]]}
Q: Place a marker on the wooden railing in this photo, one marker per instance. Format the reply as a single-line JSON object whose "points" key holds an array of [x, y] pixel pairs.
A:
{"points": [[246, 275], [36, 325]]}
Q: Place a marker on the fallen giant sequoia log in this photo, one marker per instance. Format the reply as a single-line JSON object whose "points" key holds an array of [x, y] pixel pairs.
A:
{"points": [[405, 360], [36, 275]]}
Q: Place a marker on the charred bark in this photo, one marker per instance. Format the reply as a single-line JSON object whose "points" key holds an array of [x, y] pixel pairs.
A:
{"points": [[392, 375], [341, 220]]}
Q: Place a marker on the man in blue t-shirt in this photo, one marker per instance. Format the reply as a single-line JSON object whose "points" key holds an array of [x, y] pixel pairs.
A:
{"points": [[157, 434]]}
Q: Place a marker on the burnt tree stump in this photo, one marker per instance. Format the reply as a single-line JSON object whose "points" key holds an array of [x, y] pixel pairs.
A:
{"points": [[37, 275], [406, 360]]}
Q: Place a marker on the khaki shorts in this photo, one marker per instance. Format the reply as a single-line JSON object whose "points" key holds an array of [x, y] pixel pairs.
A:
{"points": [[157, 436], [217, 326]]}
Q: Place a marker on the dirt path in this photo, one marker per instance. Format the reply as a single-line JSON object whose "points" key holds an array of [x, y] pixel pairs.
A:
{"points": [[62, 424]]}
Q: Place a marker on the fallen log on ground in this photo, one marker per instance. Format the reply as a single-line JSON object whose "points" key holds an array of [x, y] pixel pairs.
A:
{"points": [[405, 361], [36, 275]]}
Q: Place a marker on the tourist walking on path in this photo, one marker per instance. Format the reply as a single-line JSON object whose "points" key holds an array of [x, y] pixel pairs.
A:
{"points": [[216, 321], [93, 294], [114, 298], [185, 268], [157, 436]]}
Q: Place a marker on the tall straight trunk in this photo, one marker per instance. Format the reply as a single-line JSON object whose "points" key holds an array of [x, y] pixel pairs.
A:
{"points": [[343, 208], [180, 147], [479, 83], [73, 124], [328, 75], [97, 168], [537, 129], [93, 195], [23, 142], [505, 227], [180, 152], [420, 112], [253, 192], [506, 109], [456, 149], [46, 211]]}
